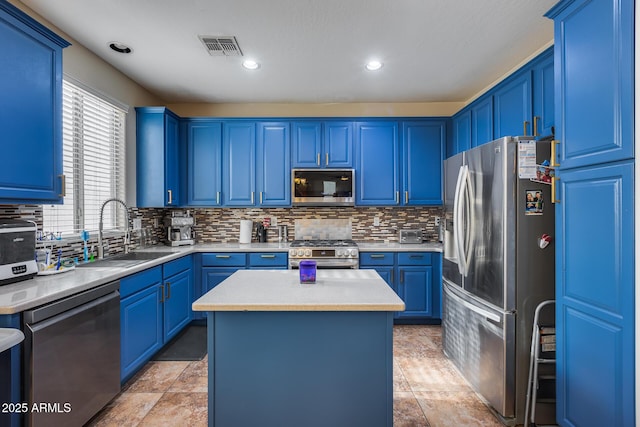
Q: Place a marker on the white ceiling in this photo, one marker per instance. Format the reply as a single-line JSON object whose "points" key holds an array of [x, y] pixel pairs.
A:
{"points": [[311, 51]]}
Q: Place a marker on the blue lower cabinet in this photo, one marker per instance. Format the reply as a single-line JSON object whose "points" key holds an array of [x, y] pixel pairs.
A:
{"points": [[270, 261], [155, 305], [177, 303], [415, 277], [414, 287], [141, 327]]}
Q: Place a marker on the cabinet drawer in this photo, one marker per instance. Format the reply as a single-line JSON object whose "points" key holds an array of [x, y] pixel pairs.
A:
{"points": [[131, 284], [376, 258], [176, 266], [414, 258], [268, 259], [224, 259]]}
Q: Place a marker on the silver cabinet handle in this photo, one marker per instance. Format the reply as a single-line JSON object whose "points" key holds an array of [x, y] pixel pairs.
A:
{"points": [[223, 256], [161, 293], [318, 159], [326, 159], [63, 185], [261, 197], [253, 197], [170, 197], [267, 256], [397, 197], [377, 255], [217, 198]]}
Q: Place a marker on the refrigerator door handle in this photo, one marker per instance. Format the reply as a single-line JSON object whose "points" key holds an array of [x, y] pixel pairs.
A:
{"points": [[457, 232], [486, 314], [469, 220]]}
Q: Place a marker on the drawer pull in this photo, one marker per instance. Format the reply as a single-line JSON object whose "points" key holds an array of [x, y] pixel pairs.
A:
{"points": [[416, 256], [223, 256], [377, 255], [267, 256]]}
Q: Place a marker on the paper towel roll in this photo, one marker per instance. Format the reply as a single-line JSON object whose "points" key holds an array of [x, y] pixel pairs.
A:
{"points": [[246, 227]]}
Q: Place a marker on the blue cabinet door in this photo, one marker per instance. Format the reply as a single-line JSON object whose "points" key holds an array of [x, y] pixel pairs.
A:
{"points": [[377, 174], [512, 102], [307, 144], [595, 301], [274, 164], [338, 144], [30, 110], [594, 62], [461, 140], [204, 163], [157, 158], [422, 155], [141, 329], [239, 163], [543, 96], [177, 303], [414, 287], [482, 121], [213, 276]]}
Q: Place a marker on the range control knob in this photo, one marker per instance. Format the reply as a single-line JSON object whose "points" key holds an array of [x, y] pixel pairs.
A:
{"points": [[352, 252], [340, 252], [292, 252], [300, 252], [307, 252]]}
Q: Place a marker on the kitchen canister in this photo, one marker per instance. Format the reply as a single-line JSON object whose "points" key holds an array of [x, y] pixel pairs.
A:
{"points": [[246, 228], [308, 271]]}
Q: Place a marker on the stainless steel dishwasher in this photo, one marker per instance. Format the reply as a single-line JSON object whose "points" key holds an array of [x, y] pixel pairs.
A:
{"points": [[72, 357]]}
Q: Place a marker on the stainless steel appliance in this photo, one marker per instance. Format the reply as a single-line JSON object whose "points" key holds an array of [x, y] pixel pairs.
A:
{"points": [[179, 228], [72, 356], [17, 250], [336, 254], [495, 271], [322, 187]]}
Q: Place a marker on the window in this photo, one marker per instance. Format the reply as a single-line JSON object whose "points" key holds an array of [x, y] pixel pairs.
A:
{"points": [[93, 132]]}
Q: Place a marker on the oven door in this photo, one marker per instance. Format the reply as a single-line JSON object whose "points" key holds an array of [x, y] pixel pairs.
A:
{"points": [[326, 264]]}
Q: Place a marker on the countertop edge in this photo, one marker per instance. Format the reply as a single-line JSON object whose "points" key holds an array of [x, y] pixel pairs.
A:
{"points": [[298, 307]]}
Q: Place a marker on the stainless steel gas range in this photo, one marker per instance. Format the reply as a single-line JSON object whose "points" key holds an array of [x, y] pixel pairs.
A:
{"points": [[338, 254]]}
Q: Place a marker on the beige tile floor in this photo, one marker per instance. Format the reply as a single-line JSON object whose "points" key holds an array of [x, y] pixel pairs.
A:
{"points": [[427, 390]]}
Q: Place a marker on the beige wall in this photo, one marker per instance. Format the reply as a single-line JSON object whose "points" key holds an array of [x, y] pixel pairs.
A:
{"points": [[399, 109]]}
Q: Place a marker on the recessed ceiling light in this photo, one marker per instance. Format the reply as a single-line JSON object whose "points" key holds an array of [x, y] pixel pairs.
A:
{"points": [[250, 64], [373, 65], [120, 47]]}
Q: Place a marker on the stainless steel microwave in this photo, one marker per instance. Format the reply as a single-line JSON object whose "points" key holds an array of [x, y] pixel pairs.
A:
{"points": [[323, 187]]}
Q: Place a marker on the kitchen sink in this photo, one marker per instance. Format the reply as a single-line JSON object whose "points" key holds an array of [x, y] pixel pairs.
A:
{"points": [[125, 260]]}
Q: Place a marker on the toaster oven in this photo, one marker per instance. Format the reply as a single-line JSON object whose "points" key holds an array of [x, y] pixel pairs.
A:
{"points": [[17, 250]]}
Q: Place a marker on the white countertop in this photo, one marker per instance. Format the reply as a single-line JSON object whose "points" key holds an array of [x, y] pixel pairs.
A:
{"points": [[20, 296], [281, 290], [10, 337]]}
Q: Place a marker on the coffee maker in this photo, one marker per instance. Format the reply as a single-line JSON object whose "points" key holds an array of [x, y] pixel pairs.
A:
{"points": [[179, 228]]}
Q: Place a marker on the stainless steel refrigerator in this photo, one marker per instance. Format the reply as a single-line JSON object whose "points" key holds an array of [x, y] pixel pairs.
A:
{"points": [[495, 271]]}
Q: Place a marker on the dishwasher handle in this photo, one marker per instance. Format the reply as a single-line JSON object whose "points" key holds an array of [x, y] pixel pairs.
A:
{"points": [[49, 310]]}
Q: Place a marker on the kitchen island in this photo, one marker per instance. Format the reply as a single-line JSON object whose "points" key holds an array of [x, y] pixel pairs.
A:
{"points": [[283, 353]]}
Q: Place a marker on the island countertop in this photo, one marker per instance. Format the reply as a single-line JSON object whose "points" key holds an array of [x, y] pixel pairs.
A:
{"points": [[281, 290]]}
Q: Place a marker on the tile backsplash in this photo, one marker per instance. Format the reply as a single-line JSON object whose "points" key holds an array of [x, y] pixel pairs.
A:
{"points": [[222, 225]]}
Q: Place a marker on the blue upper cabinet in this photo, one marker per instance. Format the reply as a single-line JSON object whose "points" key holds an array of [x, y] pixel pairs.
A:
{"points": [[594, 81], [30, 110], [377, 165], [422, 154], [543, 96], [461, 139], [512, 102], [274, 164], [338, 144], [318, 144], [204, 162], [158, 157], [238, 163], [482, 121]]}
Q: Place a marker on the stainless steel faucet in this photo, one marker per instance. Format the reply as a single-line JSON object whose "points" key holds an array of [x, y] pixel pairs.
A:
{"points": [[100, 226]]}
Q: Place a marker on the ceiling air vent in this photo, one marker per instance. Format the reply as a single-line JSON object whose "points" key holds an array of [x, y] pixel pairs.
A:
{"points": [[221, 46]]}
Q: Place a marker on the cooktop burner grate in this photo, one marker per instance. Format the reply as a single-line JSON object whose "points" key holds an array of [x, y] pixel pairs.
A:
{"points": [[322, 243]]}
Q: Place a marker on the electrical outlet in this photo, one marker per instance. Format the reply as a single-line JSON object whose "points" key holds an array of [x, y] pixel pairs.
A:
{"points": [[376, 221], [274, 221], [137, 223], [155, 222], [437, 220]]}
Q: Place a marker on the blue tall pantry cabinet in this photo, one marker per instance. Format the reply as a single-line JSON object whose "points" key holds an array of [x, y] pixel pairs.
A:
{"points": [[594, 86]]}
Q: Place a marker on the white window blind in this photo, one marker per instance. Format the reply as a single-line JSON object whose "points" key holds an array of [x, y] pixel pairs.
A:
{"points": [[93, 160]]}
